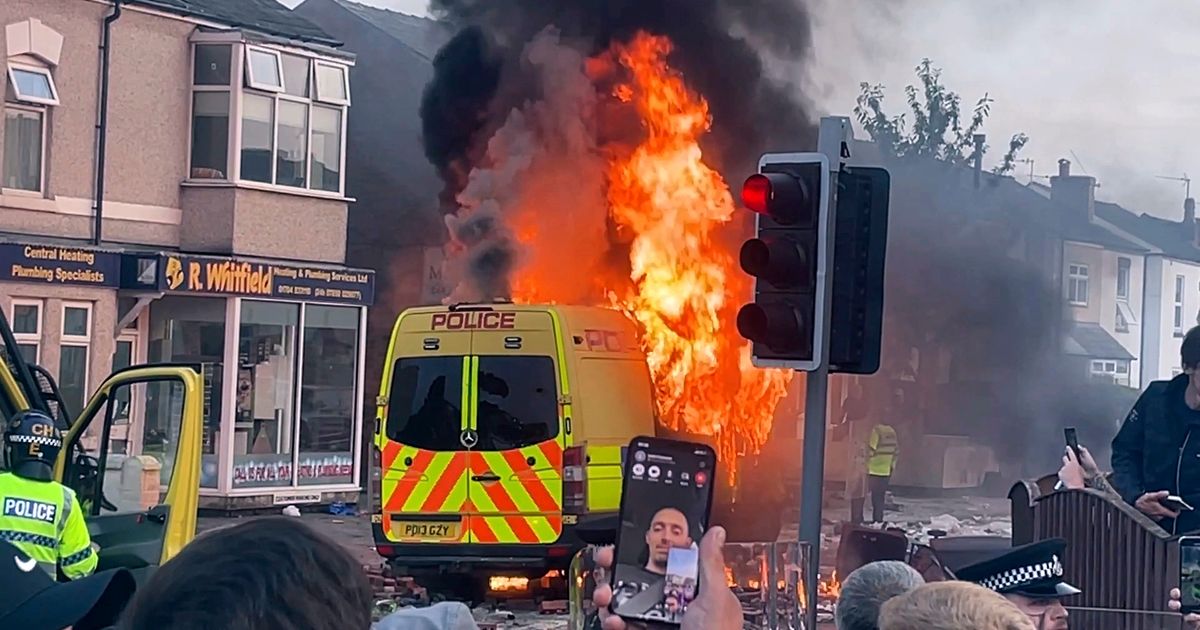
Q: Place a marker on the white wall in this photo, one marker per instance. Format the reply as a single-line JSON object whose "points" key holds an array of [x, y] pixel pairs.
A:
{"points": [[1161, 340]]}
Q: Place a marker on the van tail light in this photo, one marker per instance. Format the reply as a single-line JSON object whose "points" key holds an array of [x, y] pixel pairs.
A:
{"points": [[575, 480]]}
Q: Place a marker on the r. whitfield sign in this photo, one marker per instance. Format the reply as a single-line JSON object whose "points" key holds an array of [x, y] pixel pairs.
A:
{"points": [[225, 276], [59, 265]]}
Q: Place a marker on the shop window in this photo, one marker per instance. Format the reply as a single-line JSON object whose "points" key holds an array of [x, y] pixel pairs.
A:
{"points": [[192, 330], [424, 407], [27, 328], [328, 395], [24, 148], [518, 402], [124, 413], [73, 355], [264, 418]]}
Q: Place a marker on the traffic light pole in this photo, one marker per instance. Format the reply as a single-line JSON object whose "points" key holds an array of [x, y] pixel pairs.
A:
{"points": [[836, 135]]}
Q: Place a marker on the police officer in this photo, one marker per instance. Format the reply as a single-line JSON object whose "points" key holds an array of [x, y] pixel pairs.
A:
{"points": [[1030, 576], [38, 515]]}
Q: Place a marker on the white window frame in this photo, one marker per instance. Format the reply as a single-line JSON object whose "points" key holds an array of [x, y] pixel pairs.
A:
{"points": [[233, 137], [1177, 321], [241, 86], [43, 112], [34, 338], [25, 98], [78, 341], [1077, 276], [254, 83], [316, 91], [1128, 278]]}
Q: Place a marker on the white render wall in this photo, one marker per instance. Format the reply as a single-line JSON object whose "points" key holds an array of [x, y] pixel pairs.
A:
{"points": [[1159, 336]]}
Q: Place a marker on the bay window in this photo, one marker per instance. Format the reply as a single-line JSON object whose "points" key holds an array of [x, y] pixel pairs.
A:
{"points": [[290, 115]]}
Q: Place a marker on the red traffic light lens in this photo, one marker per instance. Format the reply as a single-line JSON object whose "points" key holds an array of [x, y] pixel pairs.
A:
{"points": [[756, 193]]}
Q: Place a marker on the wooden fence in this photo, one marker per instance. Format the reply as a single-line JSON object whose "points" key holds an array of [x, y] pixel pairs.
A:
{"points": [[1123, 562]]}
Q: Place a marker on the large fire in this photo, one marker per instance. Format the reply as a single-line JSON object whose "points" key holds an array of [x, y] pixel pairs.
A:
{"points": [[685, 287]]}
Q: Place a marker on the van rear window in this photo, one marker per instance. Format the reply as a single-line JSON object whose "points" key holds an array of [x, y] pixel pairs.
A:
{"points": [[518, 402], [425, 403]]}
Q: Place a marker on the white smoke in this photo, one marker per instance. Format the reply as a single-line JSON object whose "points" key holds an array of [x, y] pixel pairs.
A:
{"points": [[542, 171]]}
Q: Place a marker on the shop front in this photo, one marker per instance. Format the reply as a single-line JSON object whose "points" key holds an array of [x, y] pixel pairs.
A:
{"points": [[281, 347]]}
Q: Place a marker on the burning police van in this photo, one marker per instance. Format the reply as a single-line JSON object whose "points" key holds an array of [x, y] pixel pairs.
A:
{"points": [[500, 429]]}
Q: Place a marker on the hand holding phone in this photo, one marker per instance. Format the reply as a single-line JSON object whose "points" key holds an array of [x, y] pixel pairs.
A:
{"points": [[1177, 503], [666, 498]]}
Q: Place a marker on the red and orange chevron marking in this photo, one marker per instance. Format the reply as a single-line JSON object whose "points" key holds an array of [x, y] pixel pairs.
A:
{"points": [[524, 506]]}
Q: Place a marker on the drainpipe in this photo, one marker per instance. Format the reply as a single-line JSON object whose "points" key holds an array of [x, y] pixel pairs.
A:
{"points": [[102, 124]]}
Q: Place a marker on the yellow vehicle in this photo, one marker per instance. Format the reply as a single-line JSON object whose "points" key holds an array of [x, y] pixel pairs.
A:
{"points": [[140, 510], [479, 407]]}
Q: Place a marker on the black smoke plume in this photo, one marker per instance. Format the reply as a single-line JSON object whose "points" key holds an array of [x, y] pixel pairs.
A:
{"points": [[719, 46]]}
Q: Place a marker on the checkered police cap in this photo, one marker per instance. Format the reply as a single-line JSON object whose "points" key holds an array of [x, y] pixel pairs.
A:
{"points": [[50, 441], [1024, 575]]}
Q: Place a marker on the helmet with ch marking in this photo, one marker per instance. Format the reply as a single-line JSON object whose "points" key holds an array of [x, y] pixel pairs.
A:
{"points": [[32, 443]]}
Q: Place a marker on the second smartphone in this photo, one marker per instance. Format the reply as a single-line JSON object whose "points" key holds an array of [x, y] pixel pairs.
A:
{"points": [[666, 499]]}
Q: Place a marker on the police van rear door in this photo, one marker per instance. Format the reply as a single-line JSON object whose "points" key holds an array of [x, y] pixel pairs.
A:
{"points": [[140, 507], [516, 460]]}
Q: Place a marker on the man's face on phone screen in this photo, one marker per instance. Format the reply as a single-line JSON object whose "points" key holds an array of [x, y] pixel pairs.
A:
{"points": [[668, 528]]}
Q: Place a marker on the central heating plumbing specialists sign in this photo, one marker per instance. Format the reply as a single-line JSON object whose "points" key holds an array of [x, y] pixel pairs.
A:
{"points": [[59, 265]]}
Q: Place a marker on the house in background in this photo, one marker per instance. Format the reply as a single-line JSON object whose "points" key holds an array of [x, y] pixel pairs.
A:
{"points": [[1102, 278], [1172, 280]]}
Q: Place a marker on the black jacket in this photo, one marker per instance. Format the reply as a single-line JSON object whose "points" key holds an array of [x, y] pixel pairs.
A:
{"points": [[1147, 453]]}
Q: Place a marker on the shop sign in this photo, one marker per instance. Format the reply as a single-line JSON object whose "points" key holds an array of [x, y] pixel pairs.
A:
{"points": [[246, 278], [59, 265], [276, 470], [293, 498]]}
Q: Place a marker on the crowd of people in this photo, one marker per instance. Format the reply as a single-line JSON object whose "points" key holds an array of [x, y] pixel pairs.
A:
{"points": [[276, 572]]}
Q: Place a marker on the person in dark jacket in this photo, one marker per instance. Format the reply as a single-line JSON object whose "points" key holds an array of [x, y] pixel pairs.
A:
{"points": [[1157, 451]]}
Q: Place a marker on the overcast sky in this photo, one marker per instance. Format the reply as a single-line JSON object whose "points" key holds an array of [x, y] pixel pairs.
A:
{"points": [[1113, 81]]}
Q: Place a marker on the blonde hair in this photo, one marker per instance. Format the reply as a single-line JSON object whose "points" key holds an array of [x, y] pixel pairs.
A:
{"points": [[952, 606]]}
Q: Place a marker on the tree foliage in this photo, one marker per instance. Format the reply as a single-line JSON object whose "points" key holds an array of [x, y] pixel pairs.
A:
{"points": [[937, 129]]}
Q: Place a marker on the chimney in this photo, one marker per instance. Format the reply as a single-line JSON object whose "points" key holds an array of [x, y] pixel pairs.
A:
{"points": [[1189, 221], [1076, 192]]}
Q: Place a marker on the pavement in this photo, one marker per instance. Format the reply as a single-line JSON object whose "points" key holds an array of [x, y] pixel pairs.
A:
{"points": [[957, 515]]}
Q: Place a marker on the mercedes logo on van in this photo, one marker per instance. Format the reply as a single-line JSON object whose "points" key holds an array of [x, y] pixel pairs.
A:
{"points": [[469, 438]]}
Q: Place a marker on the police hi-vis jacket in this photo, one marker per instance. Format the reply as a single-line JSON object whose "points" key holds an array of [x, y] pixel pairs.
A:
{"points": [[43, 519]]}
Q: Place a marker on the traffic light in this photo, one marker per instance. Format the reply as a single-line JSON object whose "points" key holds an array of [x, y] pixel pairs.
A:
{"points": [[786, 258], [860, 244]]}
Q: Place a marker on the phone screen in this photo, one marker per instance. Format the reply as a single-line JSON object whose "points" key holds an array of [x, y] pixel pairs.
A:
{"points": [[1072, 439], [665, 505], [1189, 573]]}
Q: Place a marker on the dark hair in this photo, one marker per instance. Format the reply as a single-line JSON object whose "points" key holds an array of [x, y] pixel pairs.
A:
{"points": [[1190, 349], [268, 573]]}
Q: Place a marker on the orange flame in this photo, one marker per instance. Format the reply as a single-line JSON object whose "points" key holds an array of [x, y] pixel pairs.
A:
{"points": [[685, 287], [831, 588]]}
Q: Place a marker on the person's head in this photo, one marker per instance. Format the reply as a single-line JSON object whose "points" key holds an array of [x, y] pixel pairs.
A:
{"points": [[1189, 352], [951, 606], [267, 573], [668, 528], [868, 587], [32, 599], [1031, 577], [33, 444]]}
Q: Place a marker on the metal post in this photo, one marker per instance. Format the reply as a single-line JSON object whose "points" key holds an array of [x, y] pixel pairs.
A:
{"points": [[834, 138]]}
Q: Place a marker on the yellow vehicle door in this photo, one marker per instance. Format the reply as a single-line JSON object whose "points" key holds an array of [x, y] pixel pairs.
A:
{"points": [[515, 486], [141, 509], [422, 423]]}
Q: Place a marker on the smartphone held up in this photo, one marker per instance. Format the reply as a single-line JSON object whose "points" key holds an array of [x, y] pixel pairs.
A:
{"points": [[666, 499]]}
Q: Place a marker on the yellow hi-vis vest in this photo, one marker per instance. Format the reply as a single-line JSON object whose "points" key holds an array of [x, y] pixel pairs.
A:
{"points": [[43, 519], [882, 447]]}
